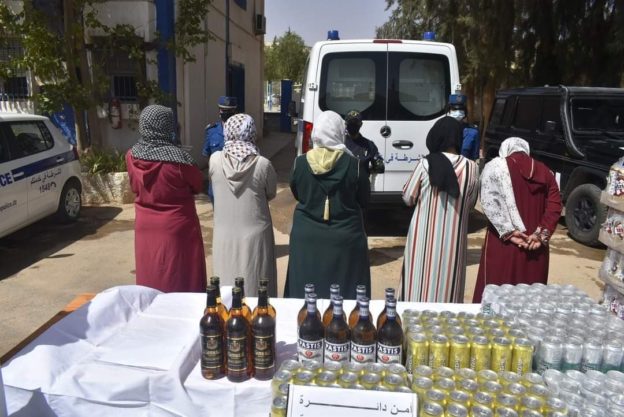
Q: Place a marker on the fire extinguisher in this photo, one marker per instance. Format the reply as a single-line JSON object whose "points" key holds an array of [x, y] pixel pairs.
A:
{"points": [[114, 113]]}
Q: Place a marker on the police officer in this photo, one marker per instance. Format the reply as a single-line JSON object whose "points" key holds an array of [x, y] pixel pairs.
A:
{"points": [[213, 140], [363, 149], [457, 110]]}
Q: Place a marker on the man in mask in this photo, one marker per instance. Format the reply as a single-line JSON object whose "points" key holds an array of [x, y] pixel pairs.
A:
{"points": [[363, 149], [457, 110], [213, 139]]}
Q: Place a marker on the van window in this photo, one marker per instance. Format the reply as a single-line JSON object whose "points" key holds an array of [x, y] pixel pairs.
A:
{"points": [[354, 80], [418, 86], [598, 114], [497, 112], [551, 112], [527, 113], [30, 138]]}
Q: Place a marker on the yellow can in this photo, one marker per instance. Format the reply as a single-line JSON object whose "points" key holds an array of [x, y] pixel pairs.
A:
{"points": [[486, 375], [459, 352], [480, 353], [459, 397], [443, 372], [438, 351], [501, 354], [505, 412], [539, 390], [507, 400], [456, 410], [370, 381], [555, 405], [304, 378], [522, 356], [531, 378], [420, 385], [508, 377], [281, 377], [278, 407], [417, 351], [347, 379], [469, 385], [483, 398], [530, 402], [479, 410], [516, 389], [492, 387], [444, 384], [436, 396], [393, 382], [431, 409], [465, 373]]}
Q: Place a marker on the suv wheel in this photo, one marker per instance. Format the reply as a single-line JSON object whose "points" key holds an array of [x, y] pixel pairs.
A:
{"points": [[585, 214], [70, 202]]}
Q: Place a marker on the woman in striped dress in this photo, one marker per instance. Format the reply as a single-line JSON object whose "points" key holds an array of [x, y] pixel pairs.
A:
{"points": [[443, 188]]}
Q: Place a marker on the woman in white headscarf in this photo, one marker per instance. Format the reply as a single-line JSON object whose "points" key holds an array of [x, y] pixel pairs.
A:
{"points": [[328, 244], [243, 183], [521, 200]]}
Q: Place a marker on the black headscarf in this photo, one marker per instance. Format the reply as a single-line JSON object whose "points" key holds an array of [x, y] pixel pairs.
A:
{"points": [[446, 133]]}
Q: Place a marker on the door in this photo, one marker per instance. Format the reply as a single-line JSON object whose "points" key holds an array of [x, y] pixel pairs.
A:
{"points": [[237, 89], [13, 190]]}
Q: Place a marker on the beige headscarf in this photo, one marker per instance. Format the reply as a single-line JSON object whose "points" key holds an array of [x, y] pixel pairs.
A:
{"points": [[328, 140]]}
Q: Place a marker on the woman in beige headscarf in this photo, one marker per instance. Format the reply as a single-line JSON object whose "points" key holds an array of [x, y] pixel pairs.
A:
{"points": [[327, 243]]}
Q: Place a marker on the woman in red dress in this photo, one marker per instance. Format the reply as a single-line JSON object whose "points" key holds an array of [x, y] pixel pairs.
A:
{"points": [[168, 244], [521, 200]]}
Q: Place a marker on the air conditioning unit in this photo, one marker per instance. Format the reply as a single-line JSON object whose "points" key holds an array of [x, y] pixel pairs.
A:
{"points": [[260, 24]]}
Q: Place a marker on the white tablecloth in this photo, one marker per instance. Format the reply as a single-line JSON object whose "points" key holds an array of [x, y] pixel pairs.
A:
{"points": [[133, 351]]}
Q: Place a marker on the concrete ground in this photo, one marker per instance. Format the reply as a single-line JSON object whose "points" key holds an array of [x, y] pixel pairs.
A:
{"points": [[44, 266]]}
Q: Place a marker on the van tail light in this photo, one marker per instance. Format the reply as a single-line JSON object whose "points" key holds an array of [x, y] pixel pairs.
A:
{"points": [[75, 151], [306, 141]]}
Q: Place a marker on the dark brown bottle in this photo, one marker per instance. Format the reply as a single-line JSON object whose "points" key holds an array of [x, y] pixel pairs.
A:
{"points": [[363, 336], [337, 334], [390, 336], [311, 333], [238, 341], [264, 282], [239, 282], [309, 289], [263, 332], [360, 292], [221, 308], [211, 328], [381, 319], [334, 291]]}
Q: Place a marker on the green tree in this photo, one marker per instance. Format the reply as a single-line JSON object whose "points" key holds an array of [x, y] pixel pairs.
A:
{"points": [[285, 58], [58, 59]]}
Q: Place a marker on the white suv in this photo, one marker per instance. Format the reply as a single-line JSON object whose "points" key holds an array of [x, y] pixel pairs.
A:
{"points": [[39, 172]]}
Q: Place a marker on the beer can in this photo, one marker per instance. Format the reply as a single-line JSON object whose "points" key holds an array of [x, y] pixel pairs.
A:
{"points": [[475, 331], [508, 377], [529, 402], [472, 322], [486, 375], [550, 354], [447, 314], [459, 397], [347, 379], [530, 413], [505, 412], [507, 400], [611, 356], [465, 373], [417, 351], [531, 378], [496, 332], [539, 390], [429, 314], [455, 331], [456, 410], [312, 366], [444, 384], [357, 386], [431, 409], [420, 385], [492, 387], [479, 410], [374, 368], [480, 353], [280, 377], [326, 378], [438, 351], [423, 370], [304, 377], [572, 354], [393, 382], [409, 313], [354, 367], [592, 355], [437, 396], [483, 398], [522, 356], [443, 372], [516, 389], [459, 352], [278, 406], [516, 333], [290, 365], [397, 369], [415, 328], [465, 315], [370, 380], [554, 404], [404, 389], [381, 387], [501, 354], [332, 366], [469, 385], [452, 322]]}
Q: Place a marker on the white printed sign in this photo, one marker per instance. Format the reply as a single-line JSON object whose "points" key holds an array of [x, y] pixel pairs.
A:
{"points": [[305, 401]]}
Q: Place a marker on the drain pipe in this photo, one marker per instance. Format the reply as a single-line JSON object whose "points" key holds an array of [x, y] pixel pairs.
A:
{"points": [[165, 25], [228, 87]]}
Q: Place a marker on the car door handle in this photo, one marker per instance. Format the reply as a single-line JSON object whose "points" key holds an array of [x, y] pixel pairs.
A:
{"points": [[403, 144], [60, 159]]}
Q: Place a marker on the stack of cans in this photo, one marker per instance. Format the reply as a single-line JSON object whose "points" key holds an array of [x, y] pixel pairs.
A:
{"points": [[370, 376], [465, 340], [568, 330]]}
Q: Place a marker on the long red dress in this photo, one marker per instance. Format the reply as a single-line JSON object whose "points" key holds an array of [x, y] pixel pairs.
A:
{"points": [[168, 244], [539, 204]]}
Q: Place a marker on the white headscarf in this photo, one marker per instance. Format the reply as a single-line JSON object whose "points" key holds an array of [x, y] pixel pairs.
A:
{"points": [[329, 132], [240, 137], [497, 195]]}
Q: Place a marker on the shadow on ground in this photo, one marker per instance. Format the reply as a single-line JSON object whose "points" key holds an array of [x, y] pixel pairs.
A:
{"points": [[46, 237]]}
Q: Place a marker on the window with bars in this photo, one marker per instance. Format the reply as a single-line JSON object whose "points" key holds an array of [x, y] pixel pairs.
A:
{"points": [[12, 87], [122, 73]]}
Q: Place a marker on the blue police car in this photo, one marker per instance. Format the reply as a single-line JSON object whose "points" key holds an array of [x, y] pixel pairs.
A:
{"points": [[39, 172]]}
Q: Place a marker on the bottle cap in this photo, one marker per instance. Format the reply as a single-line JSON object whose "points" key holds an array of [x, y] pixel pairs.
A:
{"points": [[215, 280], [239, 281]]}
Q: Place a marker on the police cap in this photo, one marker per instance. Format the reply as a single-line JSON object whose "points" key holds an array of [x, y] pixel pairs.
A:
{"points": [[228, 103], [353, 118], [457, 101]]}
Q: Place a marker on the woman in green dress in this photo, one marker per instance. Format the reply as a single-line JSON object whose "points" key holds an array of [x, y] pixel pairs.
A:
{"points": [[328, 244]]}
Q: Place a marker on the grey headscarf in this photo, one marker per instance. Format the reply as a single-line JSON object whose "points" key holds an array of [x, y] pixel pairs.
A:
{"points": [[155, 144]]}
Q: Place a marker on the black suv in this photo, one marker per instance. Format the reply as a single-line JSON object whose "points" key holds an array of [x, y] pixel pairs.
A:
{"points": [[578, 132]]}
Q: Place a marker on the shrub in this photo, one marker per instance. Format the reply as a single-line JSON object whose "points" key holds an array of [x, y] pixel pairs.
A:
{"points": [[103, 161]]}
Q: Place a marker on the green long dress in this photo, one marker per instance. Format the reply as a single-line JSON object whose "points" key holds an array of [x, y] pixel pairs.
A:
{"points": [[333, 251]]}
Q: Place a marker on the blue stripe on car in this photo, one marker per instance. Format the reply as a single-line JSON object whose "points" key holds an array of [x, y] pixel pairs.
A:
{"points": [[42, 165]]}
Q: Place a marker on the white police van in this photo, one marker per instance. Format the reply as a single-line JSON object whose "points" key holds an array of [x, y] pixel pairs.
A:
{"points": [[401, 87], [39, 172]]}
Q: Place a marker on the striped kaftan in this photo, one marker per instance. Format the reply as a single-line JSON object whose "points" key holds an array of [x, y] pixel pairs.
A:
{"points": [[436, 246]]}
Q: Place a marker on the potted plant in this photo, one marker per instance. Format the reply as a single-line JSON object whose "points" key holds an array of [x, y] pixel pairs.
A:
{"points": [[105, 177]]}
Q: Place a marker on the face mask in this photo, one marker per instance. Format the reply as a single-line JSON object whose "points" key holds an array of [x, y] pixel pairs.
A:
{"points": [[457, 114], [225, 115], [353, 130]]}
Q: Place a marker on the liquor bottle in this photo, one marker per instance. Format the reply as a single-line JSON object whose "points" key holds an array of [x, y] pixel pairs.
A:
{"points": [[363, 335], [238, 341], [263, 331], [390, 336], [381, 319], [337, 334], [334, 291], [309, 289], [311, 333], [221, 308], [264, 282], [360, 291], [211, 327], [239, 282]]}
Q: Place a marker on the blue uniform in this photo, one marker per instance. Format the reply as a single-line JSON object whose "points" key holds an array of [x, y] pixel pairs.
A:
{"points": [[213, 142], [470, 145]]}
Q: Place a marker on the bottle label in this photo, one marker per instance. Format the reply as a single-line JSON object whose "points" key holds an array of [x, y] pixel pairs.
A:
{"points": [[212, 351], [236, 353], [310, 350], [338, 352], [389, 354], [362, 353], [264, 353]]}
